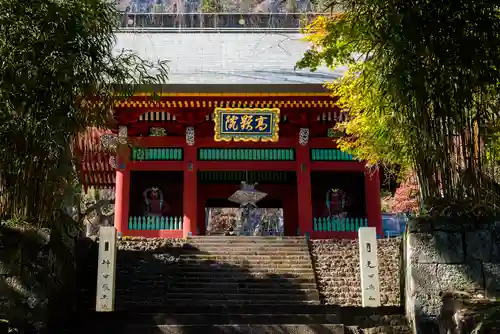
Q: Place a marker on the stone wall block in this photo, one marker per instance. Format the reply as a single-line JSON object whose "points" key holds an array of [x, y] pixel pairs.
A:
{"points": [[6, 269], [458, 255], [422, 288], [495, 246], [336, 264], [479, 245], [419, 226], [448, 224], [461, 277], [440, 247], [492, 279]]}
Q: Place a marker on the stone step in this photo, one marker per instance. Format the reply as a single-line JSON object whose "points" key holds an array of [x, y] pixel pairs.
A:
{"points": [[250, 258], [238, 276], [251, 285], [269, 247], [186, 268], [239, 266], [244, 278], [234, 302], [242, 239], [245, 241], [278, 293], [243, 297], [225, 319], [221, 329], [243, 252], [239, 260], [219, 276], [126, 303], [351, 312], [238, 254], [194, 317]]}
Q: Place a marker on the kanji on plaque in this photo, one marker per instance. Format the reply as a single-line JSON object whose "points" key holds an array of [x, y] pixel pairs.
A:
{"points": [[246, 124]]}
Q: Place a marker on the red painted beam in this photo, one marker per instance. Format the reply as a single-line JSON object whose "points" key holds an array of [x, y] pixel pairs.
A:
{"points": [[210, 142], [246, 165], [322, 143], [168, 141], [164, 166], [337, 166], [236, 97]]}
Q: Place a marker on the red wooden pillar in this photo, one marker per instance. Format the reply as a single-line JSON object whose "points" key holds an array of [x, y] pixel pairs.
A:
{"points": [[304, 200], [190, 198], [122, 193], [373, 203], [289, 201]]}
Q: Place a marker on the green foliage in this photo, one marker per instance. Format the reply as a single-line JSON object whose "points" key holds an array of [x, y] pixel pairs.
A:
{"points": [[58, 76], [212, 6], [373, 134], [421, 88]]}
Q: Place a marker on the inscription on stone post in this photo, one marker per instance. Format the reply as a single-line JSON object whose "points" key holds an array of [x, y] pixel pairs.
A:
{"points": [[370, 280], [105, 299]]}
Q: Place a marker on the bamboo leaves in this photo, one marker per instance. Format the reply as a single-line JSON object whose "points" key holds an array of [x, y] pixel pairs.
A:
{"points": [[59, 75], [422, 88]]}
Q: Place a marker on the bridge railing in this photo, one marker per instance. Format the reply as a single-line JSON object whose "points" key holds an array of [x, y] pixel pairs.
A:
{"points": [[216, 21]]}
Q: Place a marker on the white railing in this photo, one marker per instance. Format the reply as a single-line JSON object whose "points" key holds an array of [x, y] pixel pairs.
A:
{"points": [[206, 22]]}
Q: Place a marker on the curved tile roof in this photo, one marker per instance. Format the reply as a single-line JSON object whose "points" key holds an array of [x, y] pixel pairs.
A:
{"points": [[228, 58]]}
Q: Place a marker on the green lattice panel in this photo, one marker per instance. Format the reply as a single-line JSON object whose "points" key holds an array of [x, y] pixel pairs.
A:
{"points": [[237, 176], [330, 224], [157, 154], [244, 154], [327, 154], [155, 223]]}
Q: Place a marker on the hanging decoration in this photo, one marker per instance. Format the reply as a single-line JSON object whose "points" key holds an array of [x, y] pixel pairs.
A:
{"points": [[303, 136], [109, 141], [190, 136], [122, 135]]}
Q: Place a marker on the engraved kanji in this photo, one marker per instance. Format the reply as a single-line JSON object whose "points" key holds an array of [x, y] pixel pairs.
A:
{"points": [[261, 123]]}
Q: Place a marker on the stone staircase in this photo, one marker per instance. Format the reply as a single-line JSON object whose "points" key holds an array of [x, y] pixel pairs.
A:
{"points": [[223, 285], [234, 271]]}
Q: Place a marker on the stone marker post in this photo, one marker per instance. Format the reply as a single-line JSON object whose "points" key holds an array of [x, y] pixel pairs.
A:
{"points": [[105, 299], [368, 261]]}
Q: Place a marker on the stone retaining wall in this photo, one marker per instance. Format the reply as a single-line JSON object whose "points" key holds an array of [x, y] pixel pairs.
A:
{"points": [[337, 271], [445, 255], [36, 278], [149, 256], [336, 266]]}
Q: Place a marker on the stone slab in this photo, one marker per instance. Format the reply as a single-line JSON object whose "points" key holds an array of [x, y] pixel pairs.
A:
{"points": [[255, 329], [495, 246], [479, 245], [450, 225], [419, 226], [440, 247], [422, 283], [492, 279], [422, 277], [460, 277]]}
